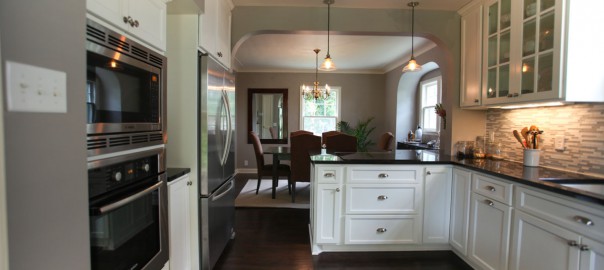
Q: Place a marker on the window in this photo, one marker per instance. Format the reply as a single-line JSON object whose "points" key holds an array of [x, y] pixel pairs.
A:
{"points": [[320, 115], [430, 95]]}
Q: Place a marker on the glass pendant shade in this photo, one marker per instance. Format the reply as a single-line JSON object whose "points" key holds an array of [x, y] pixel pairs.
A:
{"points": [[328, 64], [412, 66]]}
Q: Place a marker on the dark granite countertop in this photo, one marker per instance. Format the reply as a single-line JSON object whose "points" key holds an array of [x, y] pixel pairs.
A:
{"points": [[175, 173], [549, 179]]}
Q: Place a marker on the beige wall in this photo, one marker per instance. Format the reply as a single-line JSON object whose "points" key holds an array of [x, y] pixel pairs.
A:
{"points": [[363, 96]]}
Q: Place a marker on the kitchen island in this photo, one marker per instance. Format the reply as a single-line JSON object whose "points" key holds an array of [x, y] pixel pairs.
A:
{"points": [[489, 212]]}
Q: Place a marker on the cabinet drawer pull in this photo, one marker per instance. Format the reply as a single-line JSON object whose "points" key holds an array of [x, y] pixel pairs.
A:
{"points": [[584, 247], [476, 101], [381, 230], [572, 243], [584, 220], [489, 202], [125, 19], [337, 189], [383, 175], [329, 175], [490, 188], [382, 197], [428, 173]]}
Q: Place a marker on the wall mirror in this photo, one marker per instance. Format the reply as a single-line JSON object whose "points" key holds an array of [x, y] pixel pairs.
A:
{"points": [[267, 115]]}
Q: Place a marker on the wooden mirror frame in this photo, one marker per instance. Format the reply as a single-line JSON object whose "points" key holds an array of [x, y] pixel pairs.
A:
{"points": [[250, 99]]}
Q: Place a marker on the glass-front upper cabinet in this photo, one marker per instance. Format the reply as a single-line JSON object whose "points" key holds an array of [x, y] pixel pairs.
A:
{"points": [[522, 51], [498, 21]]}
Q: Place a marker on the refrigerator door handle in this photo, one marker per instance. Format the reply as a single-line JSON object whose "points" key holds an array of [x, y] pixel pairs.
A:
{"points": [[222, 193], [227, 147], [224, 156]]}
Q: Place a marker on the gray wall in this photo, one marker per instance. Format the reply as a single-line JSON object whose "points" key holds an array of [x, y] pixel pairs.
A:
{"points": [[362, 97], [46, 187]]}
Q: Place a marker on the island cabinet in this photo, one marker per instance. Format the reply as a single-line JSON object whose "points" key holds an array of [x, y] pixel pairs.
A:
{"points": [[379, 207], [144, 20], [551, 232], [460, 210], [179, 207]]}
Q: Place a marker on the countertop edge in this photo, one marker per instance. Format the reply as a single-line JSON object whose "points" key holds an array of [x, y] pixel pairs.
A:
{"points": [[175, 173]]}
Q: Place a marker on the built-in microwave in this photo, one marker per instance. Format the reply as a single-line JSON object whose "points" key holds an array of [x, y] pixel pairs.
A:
{"points": [[125, 92]]}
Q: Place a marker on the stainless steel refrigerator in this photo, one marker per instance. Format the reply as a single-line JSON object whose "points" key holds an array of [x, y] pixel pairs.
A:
{"points": [[216, 159]]}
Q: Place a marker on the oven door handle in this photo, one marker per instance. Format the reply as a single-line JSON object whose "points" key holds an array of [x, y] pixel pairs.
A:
{"points": [[112, 206]]}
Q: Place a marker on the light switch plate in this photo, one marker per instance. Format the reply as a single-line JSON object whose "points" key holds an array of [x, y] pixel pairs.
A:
{"points": [[559, 142], [35, 89]]}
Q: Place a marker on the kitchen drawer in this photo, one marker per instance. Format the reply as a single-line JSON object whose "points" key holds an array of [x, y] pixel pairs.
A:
{"points": [[564, 213], [382, 229], [384, 174], [492, 188], [383, 199], [329, 174]]}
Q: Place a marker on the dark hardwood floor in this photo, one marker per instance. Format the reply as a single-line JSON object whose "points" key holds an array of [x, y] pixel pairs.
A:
{"points": [[273, 238]]}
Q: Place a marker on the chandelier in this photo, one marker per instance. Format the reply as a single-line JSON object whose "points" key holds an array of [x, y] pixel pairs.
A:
{"points": [[316, 92], [328, 64], [412, 65]]}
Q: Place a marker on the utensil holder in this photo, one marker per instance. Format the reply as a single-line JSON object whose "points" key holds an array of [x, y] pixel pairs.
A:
{"points": [[531, 157]]}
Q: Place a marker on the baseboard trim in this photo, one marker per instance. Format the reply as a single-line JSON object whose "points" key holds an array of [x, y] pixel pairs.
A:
{"points": [[246, 171]]}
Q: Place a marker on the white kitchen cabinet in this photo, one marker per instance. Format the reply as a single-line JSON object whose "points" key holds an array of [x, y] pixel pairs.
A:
{"points": [[530, 53], [555, 233], [489, 232], [471, 56], [145, 20], [328, 213], [437, 204], [460, 210], [215, 30], [180, 223]]}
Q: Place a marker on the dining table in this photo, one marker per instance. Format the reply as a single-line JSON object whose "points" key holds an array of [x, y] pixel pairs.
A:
{"points": [[279, 153]]}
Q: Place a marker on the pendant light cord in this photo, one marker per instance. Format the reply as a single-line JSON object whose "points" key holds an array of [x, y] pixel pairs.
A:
{"points": [[412, 26], [328, 20]]}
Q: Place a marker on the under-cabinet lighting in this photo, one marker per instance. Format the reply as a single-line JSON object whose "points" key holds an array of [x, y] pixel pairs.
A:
{"points": [[533, 105]]}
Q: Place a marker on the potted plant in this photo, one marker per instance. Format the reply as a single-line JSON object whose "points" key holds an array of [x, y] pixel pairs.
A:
{"points": [[361, 132]]}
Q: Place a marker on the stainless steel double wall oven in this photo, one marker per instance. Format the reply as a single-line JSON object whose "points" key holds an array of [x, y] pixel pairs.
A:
{"points": [[126, 106]]}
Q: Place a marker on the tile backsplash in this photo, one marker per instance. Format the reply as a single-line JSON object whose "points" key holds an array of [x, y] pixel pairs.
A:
{"points": [[581, 125]]}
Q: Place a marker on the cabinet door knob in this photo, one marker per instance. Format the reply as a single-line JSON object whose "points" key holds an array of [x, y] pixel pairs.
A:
{"points": [[381, 230], [572, 243], [337, 189], [125, 19], [490, 188], [489, 202], [428, 173], [329, 175], [382, 197], [476, 101], [383, 175], [584, 247], [584, 220]]}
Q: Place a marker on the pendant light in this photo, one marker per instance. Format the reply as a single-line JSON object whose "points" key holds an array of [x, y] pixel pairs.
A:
{"points": [[412, 65], [316, 93], [328, 64]]}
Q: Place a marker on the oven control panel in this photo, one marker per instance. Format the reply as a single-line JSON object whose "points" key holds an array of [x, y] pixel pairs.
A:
{"points": [[111, 177]]}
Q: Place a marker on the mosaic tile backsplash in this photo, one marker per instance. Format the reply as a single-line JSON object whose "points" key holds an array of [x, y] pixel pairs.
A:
{"points": [[582, 126]]}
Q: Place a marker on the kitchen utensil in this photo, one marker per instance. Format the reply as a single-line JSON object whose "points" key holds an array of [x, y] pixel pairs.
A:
{"points": [[518, 138], [524, 132]]}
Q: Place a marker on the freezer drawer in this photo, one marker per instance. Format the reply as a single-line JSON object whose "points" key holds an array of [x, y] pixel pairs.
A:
{"points": [[217, 214]]}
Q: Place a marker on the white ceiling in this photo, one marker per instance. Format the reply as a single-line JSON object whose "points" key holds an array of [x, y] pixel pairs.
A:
{"points": [[293, 52]]}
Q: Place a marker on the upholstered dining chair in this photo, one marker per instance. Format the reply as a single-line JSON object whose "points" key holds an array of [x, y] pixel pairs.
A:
{"points": [[327, 134], [301, 144], [298, 132], [385, 142], [341, 143], [264, 170]]}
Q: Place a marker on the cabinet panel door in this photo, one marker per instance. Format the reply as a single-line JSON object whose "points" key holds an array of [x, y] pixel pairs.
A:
{"points": [[112, 11], [592, 259], [328, 211], [471, 57], [151, 17], [207, 27], [180, 227], [437, 204], [460, 210], [378, 229], [538, 244], [383, 199], [223, 43], [489, 233]]}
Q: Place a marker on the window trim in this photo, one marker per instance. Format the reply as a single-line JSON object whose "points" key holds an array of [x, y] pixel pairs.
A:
{"points": [[337, 90], [422, 85]]}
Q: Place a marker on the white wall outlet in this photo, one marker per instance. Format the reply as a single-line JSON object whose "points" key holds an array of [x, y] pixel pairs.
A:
{"points": [[559, 142], [35, 89], [245, 163]]}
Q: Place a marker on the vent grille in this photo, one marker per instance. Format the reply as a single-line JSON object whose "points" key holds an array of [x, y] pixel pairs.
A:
{"points": [[156, 137], [140, 53], [95, 33], [120, 45], [117, 141], [156, 60], [140, 139], [96, 143]]}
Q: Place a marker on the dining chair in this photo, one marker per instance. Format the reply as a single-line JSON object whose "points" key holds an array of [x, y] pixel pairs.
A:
{"points": [[301, 144], [266, 170], [385, 142], [327, 134], [298, 132], [273, 132], [341, 143]]}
